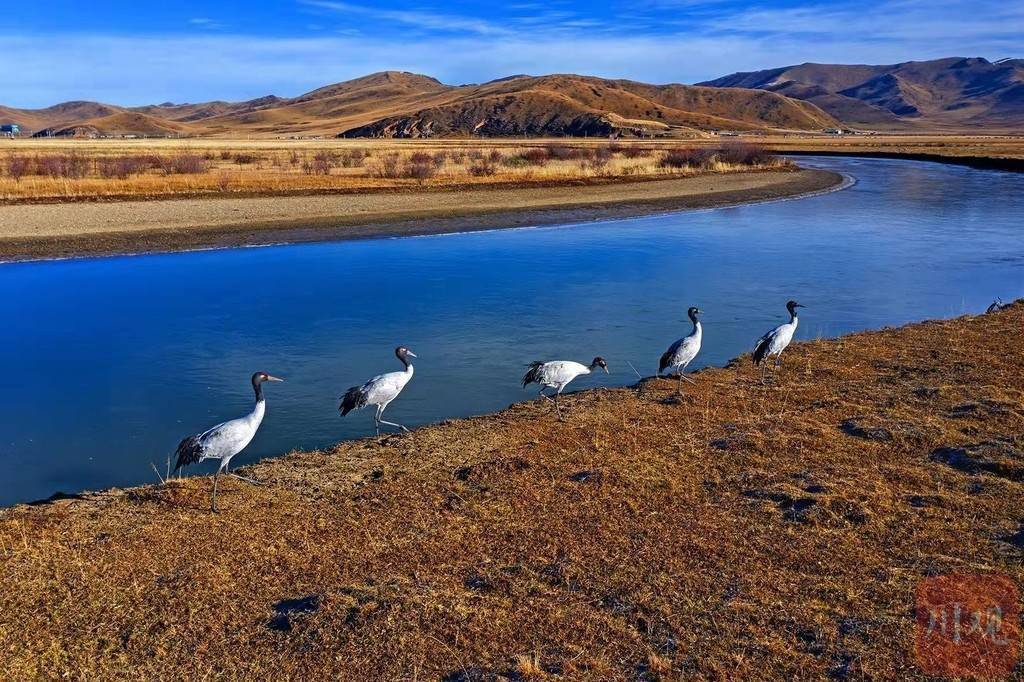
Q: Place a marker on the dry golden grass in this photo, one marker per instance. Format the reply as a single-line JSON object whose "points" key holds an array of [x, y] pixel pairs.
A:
{"points": [[232, 168], [284, 166], [742, 533], [982, 146]]}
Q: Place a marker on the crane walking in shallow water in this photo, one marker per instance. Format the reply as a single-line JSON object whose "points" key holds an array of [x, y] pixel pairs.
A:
{"points": [[226, 440], [557, 374], [682, 352], [380, 391], [774, 342]]}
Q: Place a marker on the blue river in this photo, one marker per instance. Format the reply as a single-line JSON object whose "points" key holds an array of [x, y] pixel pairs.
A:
{"points": [[109, 362]]}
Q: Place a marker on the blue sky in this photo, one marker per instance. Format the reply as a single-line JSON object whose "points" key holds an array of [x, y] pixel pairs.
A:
{"points": [[138, 53]]}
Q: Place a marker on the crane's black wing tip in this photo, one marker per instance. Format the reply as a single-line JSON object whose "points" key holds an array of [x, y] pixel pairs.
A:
{"points": [[189, 451], [533, 374], [665, 359], [353, 399], [760, 351]]}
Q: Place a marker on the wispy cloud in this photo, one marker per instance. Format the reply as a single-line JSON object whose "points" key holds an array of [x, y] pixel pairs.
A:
{"points": [[908, 21], [428, 21], [202, 22], [525, 17], [654, 40]]}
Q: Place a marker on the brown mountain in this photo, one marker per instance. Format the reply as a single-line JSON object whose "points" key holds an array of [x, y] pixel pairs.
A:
{"points": [[394, 104], [956, 92], [583, 105]]}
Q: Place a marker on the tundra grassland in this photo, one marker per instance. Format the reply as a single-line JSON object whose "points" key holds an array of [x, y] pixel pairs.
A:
{"points": [[77, 170], [745, 531]]}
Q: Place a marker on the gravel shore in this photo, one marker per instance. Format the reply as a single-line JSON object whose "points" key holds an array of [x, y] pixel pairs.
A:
{"points": [[79, 229]]}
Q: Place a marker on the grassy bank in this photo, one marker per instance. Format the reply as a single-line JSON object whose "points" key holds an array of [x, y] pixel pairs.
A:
{"points": [[120, 170], [81, 228], [112, 170], [747, 531], [1003, 152]]}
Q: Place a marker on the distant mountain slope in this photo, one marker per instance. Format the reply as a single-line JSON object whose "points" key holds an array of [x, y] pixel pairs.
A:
{"points": [[954, 92], [583, 105], [395, 104]]}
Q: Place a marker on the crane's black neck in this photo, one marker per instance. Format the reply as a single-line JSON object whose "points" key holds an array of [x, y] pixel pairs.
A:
{"points": [[257, 387]]}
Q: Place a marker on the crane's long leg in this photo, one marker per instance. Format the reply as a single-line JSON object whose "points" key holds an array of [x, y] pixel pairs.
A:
{"points": [[213, 503], [380, 420], [544, 395], [558, 408], [376, 419], [229, 472]]}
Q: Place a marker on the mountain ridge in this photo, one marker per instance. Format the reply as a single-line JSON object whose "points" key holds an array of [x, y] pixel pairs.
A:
{"points": [[952, 92], [402, 104]]}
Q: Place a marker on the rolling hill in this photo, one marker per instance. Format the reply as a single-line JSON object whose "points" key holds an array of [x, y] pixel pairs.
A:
{"points": [[582, 105], [395, 104], [956, 92]]}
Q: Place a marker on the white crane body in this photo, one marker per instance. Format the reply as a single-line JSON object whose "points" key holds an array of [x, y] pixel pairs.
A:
{"points": [[557, 374], [772, 344], [681, 353], [381, 390], [227, 439]]}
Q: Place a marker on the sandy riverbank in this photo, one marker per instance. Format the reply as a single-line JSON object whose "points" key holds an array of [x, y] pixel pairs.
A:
{"points": [[73, 229], [747, 531]]}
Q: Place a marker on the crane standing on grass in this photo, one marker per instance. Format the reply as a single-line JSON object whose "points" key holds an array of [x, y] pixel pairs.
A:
{"points": [[380, 391], [774, 342], [682, 352], [557, 374], [226, 440]]}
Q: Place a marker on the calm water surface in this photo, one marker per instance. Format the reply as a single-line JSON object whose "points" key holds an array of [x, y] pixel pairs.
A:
{"points": [[108, 362]]}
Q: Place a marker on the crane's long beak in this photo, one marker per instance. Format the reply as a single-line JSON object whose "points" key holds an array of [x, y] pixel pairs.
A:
{"points": [[411, 354], [606, 370], [270, 378]]}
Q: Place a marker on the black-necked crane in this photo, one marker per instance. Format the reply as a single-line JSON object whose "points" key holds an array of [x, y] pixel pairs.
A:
{"points": [[774, 342], [557, 374], [380, 391], [682, 352], [224, 441]]}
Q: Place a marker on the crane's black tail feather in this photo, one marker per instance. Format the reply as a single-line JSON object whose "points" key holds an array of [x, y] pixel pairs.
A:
{"points": [[189, 451], [666, 357], [760, 351], [533, 374], [353, 399]]}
